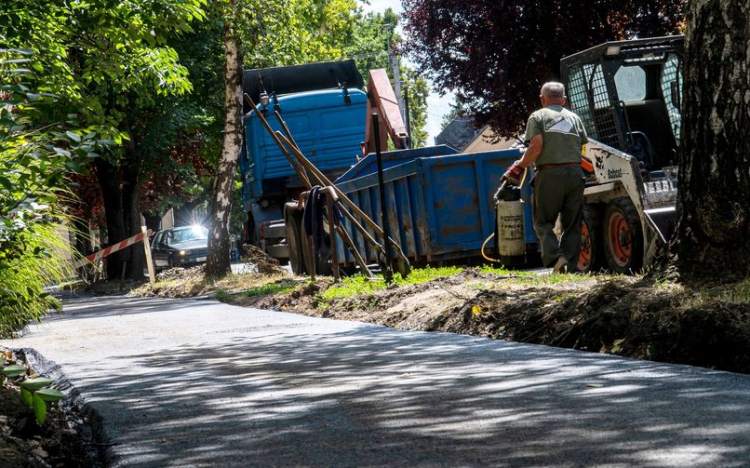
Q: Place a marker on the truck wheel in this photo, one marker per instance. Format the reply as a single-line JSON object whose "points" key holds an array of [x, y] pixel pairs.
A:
{"points": [[591, 256], [322, 263], [623, 236], [293, 225]]}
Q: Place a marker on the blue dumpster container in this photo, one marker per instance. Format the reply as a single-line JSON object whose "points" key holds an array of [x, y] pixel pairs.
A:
{"points": [[440, 202]]}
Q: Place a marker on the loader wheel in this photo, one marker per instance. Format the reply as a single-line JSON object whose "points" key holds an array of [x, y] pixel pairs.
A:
{"points": [[591, 256], [293, 222], [623, 236]]}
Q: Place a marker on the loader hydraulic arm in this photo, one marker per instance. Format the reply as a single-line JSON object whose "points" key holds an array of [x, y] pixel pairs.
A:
{"points": [[382, 101]]}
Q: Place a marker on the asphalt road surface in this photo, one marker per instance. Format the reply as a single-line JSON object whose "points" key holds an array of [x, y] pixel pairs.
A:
{"points": [[197, 383]]}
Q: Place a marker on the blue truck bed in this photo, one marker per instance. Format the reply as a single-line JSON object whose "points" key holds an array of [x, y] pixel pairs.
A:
{"points": [[440, 202]]}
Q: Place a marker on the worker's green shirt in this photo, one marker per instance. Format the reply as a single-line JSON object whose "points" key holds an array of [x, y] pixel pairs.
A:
{"points": [[562, 135]]}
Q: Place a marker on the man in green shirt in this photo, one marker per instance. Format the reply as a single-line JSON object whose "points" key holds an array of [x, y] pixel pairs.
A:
{"points": [[556, 136]]}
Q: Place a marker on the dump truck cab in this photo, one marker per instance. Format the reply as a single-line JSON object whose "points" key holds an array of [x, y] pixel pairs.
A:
{"points": [[628, 94]]}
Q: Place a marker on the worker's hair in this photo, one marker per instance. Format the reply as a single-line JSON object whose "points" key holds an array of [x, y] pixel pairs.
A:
{"points": [[553, 89]]}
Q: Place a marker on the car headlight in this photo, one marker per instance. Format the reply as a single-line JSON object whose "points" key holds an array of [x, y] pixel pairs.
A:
{"points": [[184, 252]]}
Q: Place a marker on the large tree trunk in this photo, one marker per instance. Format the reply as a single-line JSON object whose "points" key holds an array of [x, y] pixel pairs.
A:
{"points": [[109, 180], [132, 215], [714, 175], [218, 262]]}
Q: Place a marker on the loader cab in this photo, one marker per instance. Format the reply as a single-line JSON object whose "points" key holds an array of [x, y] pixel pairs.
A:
{"points": [[628, 95]]}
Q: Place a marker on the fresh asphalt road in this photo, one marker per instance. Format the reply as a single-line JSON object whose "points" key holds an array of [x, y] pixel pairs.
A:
{"points": [[198, 383]]}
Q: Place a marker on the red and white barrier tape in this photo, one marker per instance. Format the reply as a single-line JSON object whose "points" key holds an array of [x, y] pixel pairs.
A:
{"points": [[95, 257]]}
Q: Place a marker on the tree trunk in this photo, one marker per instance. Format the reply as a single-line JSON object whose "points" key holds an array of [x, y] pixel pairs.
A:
{"points": [[83, 241], [153, 221], [714, 201], [218, 262], [132, 214], [109, 180]]}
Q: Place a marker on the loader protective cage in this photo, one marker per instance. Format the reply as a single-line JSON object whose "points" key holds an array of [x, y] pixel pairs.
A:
{"points": [[593, 95]]}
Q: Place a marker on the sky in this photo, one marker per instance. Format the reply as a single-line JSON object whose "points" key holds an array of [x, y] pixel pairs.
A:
{"points": [[437, 106]]}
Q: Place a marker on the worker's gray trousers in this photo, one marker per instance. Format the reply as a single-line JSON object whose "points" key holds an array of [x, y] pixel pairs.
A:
{"points": [[559, 190]]}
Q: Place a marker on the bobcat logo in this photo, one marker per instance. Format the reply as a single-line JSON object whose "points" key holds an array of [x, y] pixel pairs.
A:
{"points": [[614, 173]]}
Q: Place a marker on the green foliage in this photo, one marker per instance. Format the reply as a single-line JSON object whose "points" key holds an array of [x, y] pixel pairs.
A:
{"points": [[498, 54], [40, 409], [95, 63], [34, 158], [13, 370], [27, 397], [418, 90], [36, 394], [35, 384]]}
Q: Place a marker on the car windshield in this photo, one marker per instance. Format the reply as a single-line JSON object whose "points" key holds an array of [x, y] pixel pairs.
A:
{"points": [[187, 234]]}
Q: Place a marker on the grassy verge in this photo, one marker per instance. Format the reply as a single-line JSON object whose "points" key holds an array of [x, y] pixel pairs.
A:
{"points": [[359, 285]]}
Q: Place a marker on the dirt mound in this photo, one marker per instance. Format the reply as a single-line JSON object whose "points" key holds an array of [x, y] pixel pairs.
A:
{"points": [[265, 264], [625, 316]]}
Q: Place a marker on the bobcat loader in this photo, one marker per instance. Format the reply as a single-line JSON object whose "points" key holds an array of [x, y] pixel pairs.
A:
{"points": [[628, 95]]}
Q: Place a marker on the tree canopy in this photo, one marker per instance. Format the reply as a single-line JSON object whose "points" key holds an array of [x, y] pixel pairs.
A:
{"points": [[496, 55]]}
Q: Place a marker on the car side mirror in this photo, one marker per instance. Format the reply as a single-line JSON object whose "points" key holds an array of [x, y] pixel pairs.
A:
{"points": [[674, 92]]}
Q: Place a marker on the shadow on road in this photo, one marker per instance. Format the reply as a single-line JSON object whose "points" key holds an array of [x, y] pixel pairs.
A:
{"points": [[375, 397], [82, 306]]}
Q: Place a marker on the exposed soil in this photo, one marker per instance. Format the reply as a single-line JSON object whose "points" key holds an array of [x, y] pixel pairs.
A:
{"points": [[58, 443], [633, 317]]}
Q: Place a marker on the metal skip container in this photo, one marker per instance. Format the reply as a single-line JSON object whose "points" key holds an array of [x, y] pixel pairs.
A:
{"points": [[442, 202]]}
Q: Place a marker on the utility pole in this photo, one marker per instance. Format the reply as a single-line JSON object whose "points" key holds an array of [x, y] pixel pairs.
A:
{"points": [[393, 60]]}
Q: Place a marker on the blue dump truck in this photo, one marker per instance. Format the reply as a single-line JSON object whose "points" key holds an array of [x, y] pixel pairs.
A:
{"points": [[325, 108], [440, 201]]}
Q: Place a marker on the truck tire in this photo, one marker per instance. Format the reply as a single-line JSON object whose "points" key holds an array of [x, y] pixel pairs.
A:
{"points": [[623, 236], [322, 263], [294, 239], [591, 257]]}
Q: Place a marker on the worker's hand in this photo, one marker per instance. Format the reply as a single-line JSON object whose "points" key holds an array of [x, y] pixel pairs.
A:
{"points": [[513, 174]]}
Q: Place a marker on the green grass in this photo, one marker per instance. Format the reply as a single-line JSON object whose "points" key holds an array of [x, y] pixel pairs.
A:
{"points": [[223, 296], [359, 285], [273, 288], [737, 293]]}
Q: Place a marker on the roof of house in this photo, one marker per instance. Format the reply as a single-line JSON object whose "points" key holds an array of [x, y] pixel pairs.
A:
{"points": [[458, 134]]}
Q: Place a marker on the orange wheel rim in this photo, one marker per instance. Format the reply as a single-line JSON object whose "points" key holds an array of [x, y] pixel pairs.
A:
{"points": [[587, 250], [620, 239]]}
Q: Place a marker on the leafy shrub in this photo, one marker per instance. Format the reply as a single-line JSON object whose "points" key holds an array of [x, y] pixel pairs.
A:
{"points": [[35, 156]]}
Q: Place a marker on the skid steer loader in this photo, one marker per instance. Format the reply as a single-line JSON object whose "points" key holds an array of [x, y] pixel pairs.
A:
{"points": [[628, 95]]}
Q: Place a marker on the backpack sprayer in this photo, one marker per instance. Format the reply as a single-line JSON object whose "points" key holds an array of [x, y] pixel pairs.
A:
{"points": [[510, 242]]}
